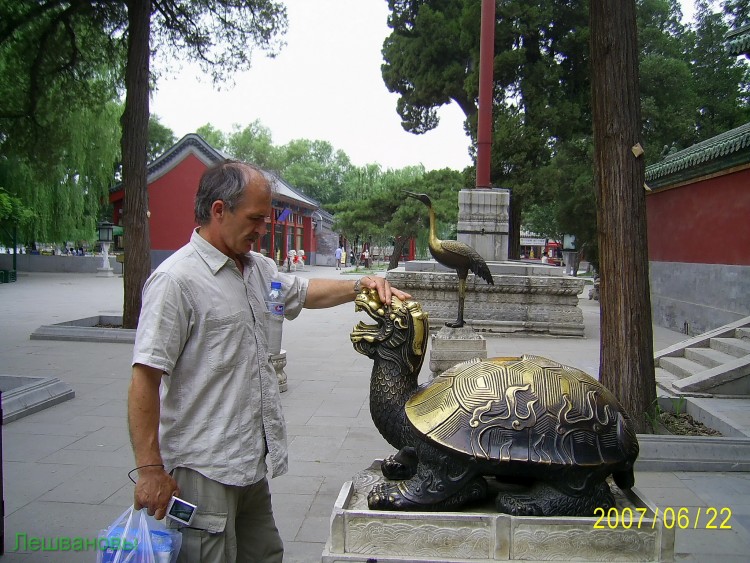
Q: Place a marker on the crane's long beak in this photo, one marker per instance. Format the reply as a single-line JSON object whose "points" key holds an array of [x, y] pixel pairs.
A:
{"points": [[411, 194]]}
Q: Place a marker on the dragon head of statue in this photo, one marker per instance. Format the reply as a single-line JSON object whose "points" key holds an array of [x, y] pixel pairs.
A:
{"points": [[400, 332]]}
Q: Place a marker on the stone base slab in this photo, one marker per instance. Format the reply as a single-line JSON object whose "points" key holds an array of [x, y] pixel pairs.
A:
{"points": [[24, 395], [536, 302], [278, 361], [482, 535]]}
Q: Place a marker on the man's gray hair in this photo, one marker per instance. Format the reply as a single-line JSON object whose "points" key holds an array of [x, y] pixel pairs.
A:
{"points": [[225, 181]]}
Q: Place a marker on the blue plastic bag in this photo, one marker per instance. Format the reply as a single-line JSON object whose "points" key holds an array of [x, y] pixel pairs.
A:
{"points": [[136, 537]]}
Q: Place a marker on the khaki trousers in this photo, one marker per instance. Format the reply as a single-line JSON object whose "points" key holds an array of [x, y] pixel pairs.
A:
{"points": [[231, 525]]}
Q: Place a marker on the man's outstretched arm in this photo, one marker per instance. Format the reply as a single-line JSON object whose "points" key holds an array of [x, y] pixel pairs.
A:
{"points": [[323, 293]]}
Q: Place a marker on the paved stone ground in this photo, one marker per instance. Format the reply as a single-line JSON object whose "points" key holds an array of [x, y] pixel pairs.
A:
{"points": [[65, 468]]}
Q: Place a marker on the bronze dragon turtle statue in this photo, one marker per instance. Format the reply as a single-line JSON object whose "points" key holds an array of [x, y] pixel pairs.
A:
{"points": [[552, 433]]}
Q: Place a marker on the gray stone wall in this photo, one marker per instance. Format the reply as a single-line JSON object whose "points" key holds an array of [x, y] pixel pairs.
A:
{"points": [[64, 264], [705, 296]]}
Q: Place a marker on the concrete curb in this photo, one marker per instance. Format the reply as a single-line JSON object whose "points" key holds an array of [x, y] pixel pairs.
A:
{"points": [[85, 330], [26, 395], [692, 453]]}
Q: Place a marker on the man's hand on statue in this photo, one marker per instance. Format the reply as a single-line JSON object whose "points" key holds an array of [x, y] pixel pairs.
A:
{"points": [[384, 288]]}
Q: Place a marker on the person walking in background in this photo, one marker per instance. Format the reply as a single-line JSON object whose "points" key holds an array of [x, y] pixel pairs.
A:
{"points": [[337, 254], [343, 257], [215, 428]]}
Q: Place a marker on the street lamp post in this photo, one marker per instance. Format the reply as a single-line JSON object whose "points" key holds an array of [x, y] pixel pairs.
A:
{"points": [[105, 239]]}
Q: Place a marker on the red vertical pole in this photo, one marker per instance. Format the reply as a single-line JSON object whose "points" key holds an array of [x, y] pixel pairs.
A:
{"points": [[272, 250], [486, 83]]}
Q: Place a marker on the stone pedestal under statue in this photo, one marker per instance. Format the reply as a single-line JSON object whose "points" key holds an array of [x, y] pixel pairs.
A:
{"points": [[481, 535], [451, 346], [526, 298], [105, 270], [278, 361]]}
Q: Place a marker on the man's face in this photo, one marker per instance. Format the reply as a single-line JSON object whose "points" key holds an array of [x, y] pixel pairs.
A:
{"points": [[247, 222]]}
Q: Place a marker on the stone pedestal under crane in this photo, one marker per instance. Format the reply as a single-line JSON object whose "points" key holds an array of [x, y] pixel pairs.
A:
{"points": [[526, 298]]}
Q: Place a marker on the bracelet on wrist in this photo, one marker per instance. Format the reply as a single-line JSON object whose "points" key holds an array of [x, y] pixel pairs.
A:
{"points": [[130, 473]]}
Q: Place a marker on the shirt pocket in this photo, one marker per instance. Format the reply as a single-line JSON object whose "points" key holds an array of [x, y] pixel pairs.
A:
{"points": [[227, 341]]}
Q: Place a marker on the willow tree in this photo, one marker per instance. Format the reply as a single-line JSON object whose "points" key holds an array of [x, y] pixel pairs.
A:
{"points": [[218, 34], [61, 170], [626, 364], [59, 131]]}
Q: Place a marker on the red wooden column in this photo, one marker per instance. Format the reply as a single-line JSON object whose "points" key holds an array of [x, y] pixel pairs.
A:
{"points": [[486, 78]]}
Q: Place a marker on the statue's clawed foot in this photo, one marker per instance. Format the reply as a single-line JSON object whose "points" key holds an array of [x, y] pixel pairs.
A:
{"points": [[410, 495], [402, 465], [543, 499], [456, 324], [387, 496], [518, 506]]}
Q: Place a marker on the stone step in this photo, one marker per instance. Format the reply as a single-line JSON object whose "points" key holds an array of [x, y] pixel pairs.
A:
{"points": [[680, 367], [732, 378], [664, 379], [708, 356], [743, 333], [732, 346]]}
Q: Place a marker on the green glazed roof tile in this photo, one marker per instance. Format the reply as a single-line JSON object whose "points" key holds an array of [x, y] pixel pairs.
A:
{"points": [[738, 41], [723, 151]]}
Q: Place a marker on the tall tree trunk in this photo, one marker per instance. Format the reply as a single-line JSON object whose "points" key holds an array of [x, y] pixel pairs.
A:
{"points": [[398, 251], [626, 364], [514, 226], [134, 143]]}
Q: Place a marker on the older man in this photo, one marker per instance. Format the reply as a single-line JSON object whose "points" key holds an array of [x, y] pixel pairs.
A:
{"points": [[218, 428]]}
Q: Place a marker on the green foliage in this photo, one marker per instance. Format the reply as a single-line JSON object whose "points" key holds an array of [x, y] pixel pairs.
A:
{"points": [[722, 83], [426, 58], [738, 12], [217, 34], [160, 138], [315, 168], [541, 143], [213, 137], [254, 144], [13, 215], [59, 116], [71, 53], [387, 218], [62, 169]]}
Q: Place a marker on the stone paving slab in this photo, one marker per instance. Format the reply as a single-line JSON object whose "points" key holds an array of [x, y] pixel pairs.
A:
{"points": [[327, 401]]}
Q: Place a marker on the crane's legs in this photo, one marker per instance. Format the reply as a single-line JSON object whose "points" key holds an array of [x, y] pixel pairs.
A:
{"points": [[461, 296]]}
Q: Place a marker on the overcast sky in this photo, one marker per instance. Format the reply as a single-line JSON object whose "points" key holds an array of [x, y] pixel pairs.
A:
{"points": [[325, 84]]}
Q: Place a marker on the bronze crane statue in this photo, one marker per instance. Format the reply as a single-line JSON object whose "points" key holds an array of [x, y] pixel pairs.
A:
{"points": [[456, 255]]}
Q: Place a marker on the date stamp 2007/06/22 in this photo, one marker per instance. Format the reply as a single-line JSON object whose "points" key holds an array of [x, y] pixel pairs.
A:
{"points": [[710, 518]]}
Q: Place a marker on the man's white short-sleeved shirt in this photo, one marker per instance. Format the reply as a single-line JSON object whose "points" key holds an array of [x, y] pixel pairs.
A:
{"points": [[203, 324]]}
